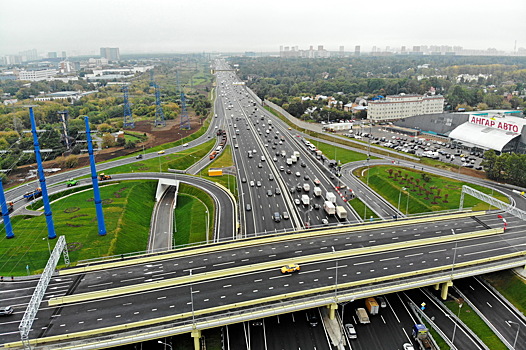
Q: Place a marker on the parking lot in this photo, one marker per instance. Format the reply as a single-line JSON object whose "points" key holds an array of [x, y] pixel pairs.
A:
{"points": [[424, 145]]}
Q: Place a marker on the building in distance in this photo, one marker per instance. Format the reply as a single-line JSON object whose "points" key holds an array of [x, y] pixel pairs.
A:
{"points": [[110, 53], [402, 106]]}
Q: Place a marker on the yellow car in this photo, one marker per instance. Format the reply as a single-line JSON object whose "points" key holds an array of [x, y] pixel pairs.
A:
{"points": [[290, 268], [160, 152]]}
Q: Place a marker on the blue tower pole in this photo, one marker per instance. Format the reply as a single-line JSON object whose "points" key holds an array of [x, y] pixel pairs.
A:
{"points": [[95, 182], [5, 213], [47, 208]]}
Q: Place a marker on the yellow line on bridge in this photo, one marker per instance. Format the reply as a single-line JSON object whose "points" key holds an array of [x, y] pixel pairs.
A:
{"points": [[68, 299], [172, 318], [259, 241]]}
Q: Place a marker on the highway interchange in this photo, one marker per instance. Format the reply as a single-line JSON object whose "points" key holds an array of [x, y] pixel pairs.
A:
{"points": [[258, 221]]}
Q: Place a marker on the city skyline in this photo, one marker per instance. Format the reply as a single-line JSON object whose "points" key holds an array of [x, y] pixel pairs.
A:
{"points": [[235, 26]]}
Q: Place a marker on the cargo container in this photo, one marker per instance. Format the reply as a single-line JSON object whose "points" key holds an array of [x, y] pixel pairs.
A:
{"points": [[215, 172], [341, 213], [305, 199], [329, 208], [296, 154], [372, 306], [289, 161], [330, 197], [317, 191]]}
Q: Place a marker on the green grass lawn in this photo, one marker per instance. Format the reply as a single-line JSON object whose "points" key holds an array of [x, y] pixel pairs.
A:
{"points": [[338, 153], [442, 193], [190, 216], [224, 160], [510, 286], [127, 211], [362, 209], [180, 160], [476, 324]]}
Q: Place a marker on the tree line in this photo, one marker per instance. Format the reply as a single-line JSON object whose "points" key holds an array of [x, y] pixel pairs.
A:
{"points": [[507, 167]]}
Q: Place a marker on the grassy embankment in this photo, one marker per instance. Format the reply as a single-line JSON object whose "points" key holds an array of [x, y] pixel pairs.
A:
{"points": [[476, 324], [223, 161], [127, 213], [180, 160], [191, 216], [423, 192], [511, 286]]}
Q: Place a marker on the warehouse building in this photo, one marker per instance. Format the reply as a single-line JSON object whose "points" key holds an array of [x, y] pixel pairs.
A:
{"points": [[499, 130]]}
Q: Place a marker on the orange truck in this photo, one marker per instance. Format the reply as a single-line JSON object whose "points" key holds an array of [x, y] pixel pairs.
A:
{"points": [[372, 306]]}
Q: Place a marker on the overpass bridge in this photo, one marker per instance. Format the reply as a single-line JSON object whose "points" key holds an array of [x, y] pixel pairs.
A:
{"points": [[188, 290]]}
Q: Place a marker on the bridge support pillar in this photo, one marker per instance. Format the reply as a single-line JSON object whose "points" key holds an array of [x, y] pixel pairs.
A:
{"points": [[436, 286], [332, 310], [445, 286], [196, 334]]}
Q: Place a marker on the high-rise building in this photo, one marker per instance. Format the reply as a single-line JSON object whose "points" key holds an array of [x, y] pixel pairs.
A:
{"points": [[110, 53], [357, 50], [29, 55], [52, 55], [64, 54]]}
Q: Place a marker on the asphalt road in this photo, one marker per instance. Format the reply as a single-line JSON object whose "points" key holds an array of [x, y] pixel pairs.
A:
{"points": [[462, 339], [497, 311], [259, 284], [161, 234]]}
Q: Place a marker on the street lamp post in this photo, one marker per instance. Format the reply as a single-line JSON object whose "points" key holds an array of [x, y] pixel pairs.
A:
{"points": [[48, 246], [192, 302], [518, 329], [400, 197], [160, 342], [336, 278], [407, 204], [455, 327], [207, 225]]}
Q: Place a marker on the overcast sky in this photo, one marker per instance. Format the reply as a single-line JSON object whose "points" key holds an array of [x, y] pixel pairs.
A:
{"points": [[81, 26]]}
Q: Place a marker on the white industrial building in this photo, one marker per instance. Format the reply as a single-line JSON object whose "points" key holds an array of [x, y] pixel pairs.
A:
{"points": [[37, 74], [502, 131], [401, 106]]}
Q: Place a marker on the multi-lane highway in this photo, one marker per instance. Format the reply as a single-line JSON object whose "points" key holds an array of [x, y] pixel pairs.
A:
{"points": [[256, 285], [221, 284]]}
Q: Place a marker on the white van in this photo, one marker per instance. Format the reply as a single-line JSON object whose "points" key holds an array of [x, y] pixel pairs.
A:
{"points": [[262, 158]]}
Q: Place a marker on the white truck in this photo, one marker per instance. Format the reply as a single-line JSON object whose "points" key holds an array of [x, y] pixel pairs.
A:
{"points": [[341, 213], [289, 161], [294, 158], [317, 191], [363, 318], [306, 187], [296, 154], [329, 208], [305, 199], [330, 197]]}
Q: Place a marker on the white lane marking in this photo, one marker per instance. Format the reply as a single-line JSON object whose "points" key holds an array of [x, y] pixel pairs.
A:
{"points": [[364, 262], [416, 254], [387, 259], [303, 272], [225, 263]]}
